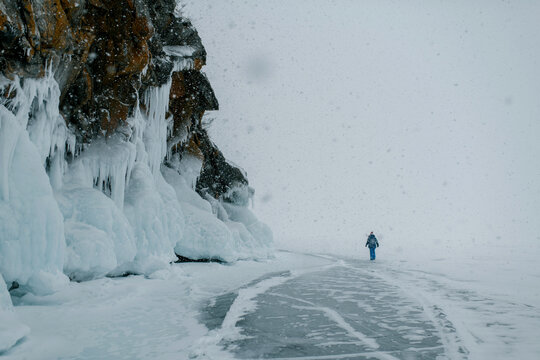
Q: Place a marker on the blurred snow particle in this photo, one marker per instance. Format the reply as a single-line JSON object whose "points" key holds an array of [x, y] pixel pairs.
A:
{"points": [[92, 56], [259, 68], [266, 198]]}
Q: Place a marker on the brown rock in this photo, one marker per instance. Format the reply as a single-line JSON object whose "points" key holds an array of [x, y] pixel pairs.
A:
{"points": [[190, 96], [198, 63], [3, 21], [193, 148]]}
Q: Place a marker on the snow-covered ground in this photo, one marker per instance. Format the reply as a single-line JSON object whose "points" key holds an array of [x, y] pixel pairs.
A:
{"points": [[294, 306]]}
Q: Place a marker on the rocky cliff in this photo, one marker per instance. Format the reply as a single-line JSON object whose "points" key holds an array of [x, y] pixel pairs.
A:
{"points": [[104, 55], [106, 167]]}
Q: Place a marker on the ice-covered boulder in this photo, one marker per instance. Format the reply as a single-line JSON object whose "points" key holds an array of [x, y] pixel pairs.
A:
{"points": [[210, 233], [206, 237], [99, 238], [90, 252]]}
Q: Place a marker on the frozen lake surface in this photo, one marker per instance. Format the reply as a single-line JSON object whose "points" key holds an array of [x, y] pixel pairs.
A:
{"points": [[343, 311], [357, 309], [295, 306]]}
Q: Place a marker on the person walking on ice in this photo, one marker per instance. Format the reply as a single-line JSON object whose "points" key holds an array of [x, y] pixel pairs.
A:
{"points": [[372, 243]]}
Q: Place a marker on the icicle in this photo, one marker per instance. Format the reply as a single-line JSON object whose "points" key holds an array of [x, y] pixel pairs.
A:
{"points": [[181, 137], [107, 166], [181, 64], [9, 135], [35, 105], [46, 126], [157, 128]]}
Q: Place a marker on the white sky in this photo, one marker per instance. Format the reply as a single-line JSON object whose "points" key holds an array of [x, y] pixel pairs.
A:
{"points": [[419, 120]]}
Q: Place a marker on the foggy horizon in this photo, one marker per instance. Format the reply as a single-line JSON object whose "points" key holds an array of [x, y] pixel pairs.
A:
{"points": [[416, 120]]}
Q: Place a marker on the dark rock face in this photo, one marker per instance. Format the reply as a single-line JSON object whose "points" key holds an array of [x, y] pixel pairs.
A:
{"points": [[218, 177], [183, 259], [104, 55], [191, 95]]}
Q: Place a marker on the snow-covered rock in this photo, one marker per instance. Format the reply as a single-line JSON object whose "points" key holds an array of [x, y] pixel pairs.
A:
{"points": [[99, 237], [205, 237], [211, 232]]}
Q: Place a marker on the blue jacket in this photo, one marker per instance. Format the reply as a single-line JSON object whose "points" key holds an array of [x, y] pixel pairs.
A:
{"points": [[372, 241]]}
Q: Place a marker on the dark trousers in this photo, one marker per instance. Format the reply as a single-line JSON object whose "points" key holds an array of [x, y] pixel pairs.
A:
{"points": [[372, 253]]}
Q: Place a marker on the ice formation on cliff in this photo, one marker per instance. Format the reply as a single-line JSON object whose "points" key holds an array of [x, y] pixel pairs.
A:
{"points": [[115, 208], [32, 241]]}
